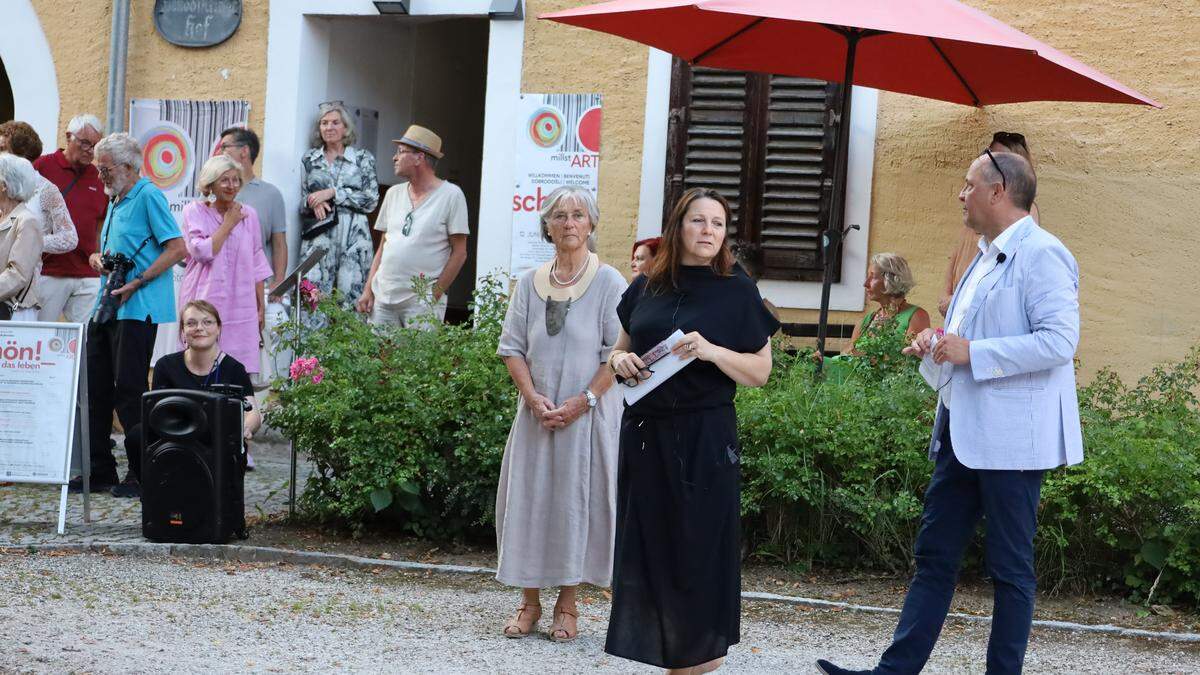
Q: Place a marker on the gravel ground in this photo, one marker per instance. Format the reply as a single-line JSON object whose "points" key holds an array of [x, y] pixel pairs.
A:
{"points": [[170, 615]]}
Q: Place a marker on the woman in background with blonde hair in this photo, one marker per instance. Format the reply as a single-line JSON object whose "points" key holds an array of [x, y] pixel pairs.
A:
{"points": [[889, 279], [225, 264], [340, 188], [202, 363]]}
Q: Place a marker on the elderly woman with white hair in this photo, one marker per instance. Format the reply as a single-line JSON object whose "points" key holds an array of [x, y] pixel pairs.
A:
{"points": [[556, 502], [225, 263], [20, 240], [46, 203], [889, 279], [340, 188]]}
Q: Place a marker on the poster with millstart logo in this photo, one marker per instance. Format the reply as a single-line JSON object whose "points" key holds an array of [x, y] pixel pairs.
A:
{"points": [[558, 143]]}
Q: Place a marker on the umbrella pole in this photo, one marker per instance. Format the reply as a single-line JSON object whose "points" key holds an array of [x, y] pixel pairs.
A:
{"points": [[832, 239]]}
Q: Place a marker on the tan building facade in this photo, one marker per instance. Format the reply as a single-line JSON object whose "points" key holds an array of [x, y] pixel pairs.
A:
{"points": [[1120, 185]]}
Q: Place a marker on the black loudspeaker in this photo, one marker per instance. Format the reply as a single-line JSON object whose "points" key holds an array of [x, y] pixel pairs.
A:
{"points": [[193, 465]]}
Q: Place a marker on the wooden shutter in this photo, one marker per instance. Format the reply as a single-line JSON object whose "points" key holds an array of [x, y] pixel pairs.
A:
{"points": [[767, 143], [707, 135], [797, 177]]}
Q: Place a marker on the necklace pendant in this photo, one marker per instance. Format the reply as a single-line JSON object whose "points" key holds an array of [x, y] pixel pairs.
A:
{"points": [[556, 315]]}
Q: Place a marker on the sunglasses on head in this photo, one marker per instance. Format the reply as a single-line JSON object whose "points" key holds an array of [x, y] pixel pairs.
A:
{"points": [[1003, 178], [1009, 139]]}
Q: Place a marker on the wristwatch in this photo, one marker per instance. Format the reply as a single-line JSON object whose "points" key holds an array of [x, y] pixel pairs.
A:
{"points": [[591, 398], [140, 278]]}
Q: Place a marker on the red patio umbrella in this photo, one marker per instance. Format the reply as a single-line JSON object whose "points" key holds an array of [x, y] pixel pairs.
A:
{"points": [[939, 49]]}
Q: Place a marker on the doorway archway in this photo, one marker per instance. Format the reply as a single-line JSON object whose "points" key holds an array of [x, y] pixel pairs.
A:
{"points": [[32, 81], [6, 96]]}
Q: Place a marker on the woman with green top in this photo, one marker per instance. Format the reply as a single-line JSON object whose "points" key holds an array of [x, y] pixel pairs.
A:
{"points": [[889, 279]]}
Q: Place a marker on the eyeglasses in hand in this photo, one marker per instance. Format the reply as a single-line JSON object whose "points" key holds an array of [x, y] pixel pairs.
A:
{"points": [[643, 374]]}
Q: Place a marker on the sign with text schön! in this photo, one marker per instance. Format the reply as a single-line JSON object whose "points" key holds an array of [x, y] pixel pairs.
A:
{"points": [[39, 381], [557, 143], [197, 23]]}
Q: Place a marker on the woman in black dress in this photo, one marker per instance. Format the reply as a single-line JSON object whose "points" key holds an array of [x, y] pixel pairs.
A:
{"points": [[199, 365], [677, 576]]}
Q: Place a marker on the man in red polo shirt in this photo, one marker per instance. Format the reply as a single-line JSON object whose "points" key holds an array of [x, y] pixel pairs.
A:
{"points": [[68, 285]]}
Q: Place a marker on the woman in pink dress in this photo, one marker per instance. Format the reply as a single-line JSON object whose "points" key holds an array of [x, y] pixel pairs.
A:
{"points": [[225, 263]]}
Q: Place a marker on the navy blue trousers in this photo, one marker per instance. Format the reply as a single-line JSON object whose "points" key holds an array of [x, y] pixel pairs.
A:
{"points": [[954, 502]]}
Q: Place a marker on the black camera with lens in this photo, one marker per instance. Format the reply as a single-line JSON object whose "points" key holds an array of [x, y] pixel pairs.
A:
{"points": [[119, 266]]}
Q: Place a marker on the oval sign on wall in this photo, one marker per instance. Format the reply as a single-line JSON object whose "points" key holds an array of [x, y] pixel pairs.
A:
{"points": [[197, 23]]}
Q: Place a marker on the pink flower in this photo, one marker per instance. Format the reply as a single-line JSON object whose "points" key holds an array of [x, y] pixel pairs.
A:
{"points": [[318, 377], [310, 293], [302, 367]]}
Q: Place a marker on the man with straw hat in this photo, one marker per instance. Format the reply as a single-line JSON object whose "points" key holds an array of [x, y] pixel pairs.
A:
{"points": [[424, 226]]}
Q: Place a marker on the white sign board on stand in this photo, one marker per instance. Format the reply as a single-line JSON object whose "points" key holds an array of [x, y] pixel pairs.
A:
{"points": [[39, 397]]}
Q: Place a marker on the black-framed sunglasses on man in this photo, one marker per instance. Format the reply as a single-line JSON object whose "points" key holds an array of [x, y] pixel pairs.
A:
{"points": [[1003, 178]]}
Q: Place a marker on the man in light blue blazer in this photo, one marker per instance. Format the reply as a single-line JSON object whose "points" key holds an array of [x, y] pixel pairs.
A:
{"points": [[1007, 412]]}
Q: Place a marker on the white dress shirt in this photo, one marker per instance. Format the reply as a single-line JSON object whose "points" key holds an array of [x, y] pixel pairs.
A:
{"points": [[990, 252]]}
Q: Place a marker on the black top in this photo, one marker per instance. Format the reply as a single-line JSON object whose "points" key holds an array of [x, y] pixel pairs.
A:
{"points": [[727, 311], [172, 373]]}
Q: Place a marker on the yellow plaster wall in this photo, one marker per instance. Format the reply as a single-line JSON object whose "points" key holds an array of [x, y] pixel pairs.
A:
{"points": [[78, 33], [564, 59], [1120, 185]]}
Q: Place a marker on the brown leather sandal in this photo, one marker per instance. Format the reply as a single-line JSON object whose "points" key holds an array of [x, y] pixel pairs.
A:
{"points": [[559, 632], [513, 628]]}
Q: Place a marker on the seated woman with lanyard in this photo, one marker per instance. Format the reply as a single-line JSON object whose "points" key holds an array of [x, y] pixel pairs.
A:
{"points": [[200, 365]]}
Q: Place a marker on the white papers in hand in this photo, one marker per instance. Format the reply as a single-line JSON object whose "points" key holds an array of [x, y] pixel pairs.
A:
{"points": [[935, 374], [663, 363], [931, 371]]}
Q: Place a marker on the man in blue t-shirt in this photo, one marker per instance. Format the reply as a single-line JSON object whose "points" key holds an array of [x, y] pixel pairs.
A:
{"points": [[139, 225]]}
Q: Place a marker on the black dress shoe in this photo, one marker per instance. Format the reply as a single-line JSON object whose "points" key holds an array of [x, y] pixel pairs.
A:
{"points": [[75, 486], [130, 487], [830, 669]]}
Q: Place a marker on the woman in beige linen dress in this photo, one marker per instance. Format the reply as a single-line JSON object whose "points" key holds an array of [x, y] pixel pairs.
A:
{"points": [[556, 502]]}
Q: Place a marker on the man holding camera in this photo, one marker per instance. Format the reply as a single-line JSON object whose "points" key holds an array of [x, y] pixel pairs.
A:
{"points": [[138, 245]]}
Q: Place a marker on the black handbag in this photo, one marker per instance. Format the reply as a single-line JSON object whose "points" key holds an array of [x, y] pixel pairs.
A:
{"points": [[9, 307], [311, 226]]}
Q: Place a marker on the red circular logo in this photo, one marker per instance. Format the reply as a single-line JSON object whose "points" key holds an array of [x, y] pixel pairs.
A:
{"points": [[589, 130]]}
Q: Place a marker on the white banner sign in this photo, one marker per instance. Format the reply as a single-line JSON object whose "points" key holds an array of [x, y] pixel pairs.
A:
{"points": [[177, 137], [558, 143], [39, 378]]}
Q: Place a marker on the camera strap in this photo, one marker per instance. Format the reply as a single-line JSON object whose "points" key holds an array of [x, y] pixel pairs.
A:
{"points": [[71, 186], [112, 206]]}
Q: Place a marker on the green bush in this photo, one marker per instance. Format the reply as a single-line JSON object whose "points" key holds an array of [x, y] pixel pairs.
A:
{"points": [[410, 426], [406, 423], [834, 473], [1128, 517], [833, 470]]}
